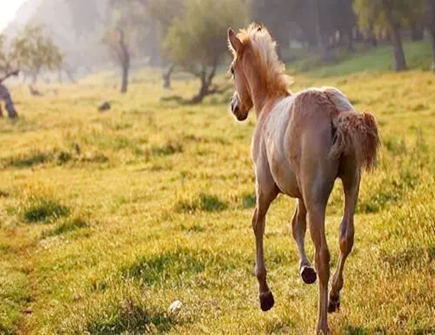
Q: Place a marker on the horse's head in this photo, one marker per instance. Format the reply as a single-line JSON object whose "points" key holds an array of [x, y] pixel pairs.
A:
{"points": [[241, 103]]}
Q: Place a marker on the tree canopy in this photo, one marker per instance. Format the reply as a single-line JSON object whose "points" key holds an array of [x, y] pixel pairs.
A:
{"points": [[196, 39], [386, 15], [33, 51], [389, 16]]}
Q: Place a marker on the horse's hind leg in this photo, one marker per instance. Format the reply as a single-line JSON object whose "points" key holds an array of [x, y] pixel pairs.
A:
{"points": [[317, 181], [299, 227], [266, 193], [351, 180]]}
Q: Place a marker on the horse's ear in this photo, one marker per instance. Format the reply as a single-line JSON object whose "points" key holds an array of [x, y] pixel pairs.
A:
{"points": [[233, 41]]}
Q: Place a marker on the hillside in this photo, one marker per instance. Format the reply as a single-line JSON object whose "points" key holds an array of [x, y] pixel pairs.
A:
{"points": [[363, 59]]}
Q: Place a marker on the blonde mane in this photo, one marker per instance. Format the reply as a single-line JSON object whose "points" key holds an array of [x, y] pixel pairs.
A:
{"points": [[264, 47]]}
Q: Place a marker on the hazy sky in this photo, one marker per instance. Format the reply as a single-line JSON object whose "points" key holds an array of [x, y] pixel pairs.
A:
{"points": [[8, 8]]}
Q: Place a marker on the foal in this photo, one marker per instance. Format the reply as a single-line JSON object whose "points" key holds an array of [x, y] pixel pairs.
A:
{"points": [[301, 144]]}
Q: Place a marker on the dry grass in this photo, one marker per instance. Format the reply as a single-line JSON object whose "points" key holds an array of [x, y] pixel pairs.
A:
{"points": [[156, 199]]}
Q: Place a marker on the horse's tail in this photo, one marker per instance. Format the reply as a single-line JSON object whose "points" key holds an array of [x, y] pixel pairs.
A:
{"points": [[354, 133]]}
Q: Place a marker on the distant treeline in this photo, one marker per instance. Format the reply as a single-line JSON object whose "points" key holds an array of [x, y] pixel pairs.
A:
{"points": [[190, 35], [330, 24]]}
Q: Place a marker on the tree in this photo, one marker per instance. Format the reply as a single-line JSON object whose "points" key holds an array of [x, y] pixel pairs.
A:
{"points": [[6, 96], [431, 28], [33, 52], [5, 57], [196, 40], [6, 71], [120, 50], [164, 12], [324, 24], [128, 24], [389, 16]]}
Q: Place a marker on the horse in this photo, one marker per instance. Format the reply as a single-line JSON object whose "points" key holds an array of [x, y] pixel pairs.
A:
{"points": [[301, 144]]}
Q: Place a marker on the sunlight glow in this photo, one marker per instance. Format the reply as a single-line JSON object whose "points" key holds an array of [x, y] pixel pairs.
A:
{"points": [[8, 9]]}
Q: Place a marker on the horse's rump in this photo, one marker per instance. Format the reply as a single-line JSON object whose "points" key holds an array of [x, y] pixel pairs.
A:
{"points": [[354, 133]]}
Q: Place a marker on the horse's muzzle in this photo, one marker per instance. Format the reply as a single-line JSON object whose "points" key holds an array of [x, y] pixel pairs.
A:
{"points": [[235, 109]]}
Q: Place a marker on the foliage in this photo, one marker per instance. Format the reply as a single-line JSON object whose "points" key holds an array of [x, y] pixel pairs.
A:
{"points": [[128, 25], [385, 15], [34, 51], [196, 40], [132, 19], [297, 19], [5, 57], [165, 11]]}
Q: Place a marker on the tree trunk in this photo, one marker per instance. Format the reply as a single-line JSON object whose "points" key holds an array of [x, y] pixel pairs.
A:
{"points": [[432, 37], [399, 55], [124, 58], [206, 80], [124, 83], [321, 40], [167, 77], [70, 76], [350, 41], [4, 95], [373, 41], [203, 91], [417, 33]]}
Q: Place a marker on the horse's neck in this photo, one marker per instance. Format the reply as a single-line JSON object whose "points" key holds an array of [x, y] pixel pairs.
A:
{"points": [[259, 96], [262, 99]]}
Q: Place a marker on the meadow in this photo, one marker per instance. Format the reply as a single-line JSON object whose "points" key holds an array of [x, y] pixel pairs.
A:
{"points": [[107, 218]]}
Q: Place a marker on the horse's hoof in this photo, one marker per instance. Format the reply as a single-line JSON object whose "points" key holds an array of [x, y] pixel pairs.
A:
{"points": [[321, 331], [308, 274], [266, 301], [334, 304]]}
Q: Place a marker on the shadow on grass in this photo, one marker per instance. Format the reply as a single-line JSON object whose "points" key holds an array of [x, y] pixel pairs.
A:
{"points": [[176, 267], [24, 161], [55, 156], [43, 210], [203, 202], [248, 200], [167, 149], [356, 330], [131, 317], [409, 259], [66, 226]]}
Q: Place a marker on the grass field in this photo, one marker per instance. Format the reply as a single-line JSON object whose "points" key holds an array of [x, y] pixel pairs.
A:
{"points": [[107, 218]]}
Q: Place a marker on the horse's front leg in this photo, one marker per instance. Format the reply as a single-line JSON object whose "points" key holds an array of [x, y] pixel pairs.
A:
{"points": [[265, 195]]}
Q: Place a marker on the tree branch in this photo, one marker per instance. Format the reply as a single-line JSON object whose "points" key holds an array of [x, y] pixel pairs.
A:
{"points": [[9, 74]]}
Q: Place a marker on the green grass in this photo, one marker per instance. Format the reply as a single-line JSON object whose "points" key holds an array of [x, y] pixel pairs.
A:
{"points": [[151, 202], [364, 59]]}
